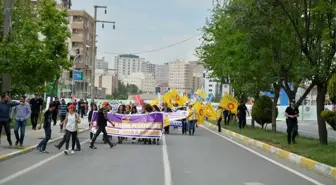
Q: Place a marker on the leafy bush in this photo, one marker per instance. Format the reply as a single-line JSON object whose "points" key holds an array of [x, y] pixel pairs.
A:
{"points": [[332, 89], [262, 110], [330, 118]]}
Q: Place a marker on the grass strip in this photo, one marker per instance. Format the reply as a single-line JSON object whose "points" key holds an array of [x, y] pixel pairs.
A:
{"points": [[307, 147]]}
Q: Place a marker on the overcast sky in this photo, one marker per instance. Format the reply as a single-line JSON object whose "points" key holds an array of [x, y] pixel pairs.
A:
{"points": [[143, 25]]}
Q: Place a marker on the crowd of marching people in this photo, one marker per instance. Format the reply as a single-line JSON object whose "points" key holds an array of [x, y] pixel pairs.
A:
{"points": [[70, 115]]}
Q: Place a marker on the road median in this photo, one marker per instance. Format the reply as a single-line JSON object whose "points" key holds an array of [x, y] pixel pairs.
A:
{"points": [[307, 153]]}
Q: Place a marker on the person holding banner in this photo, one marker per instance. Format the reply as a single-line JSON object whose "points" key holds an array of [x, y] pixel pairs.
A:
{"points": [[165, 108], [134, 111], [93, 108], [121, 110], [192, 119], [101, 124]]}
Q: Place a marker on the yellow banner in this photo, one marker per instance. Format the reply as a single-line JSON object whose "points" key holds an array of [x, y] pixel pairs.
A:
{"points": [[229, 102]]}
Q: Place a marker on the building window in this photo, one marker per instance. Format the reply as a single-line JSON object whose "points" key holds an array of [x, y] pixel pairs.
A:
{"points": [[210, 85]]}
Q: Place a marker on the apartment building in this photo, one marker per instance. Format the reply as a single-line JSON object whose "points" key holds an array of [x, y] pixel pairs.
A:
{"points": [[212, 85], [161, 74], [127, 64], [108, 81], [81, 50], [144, 81], [180, 76], [101, 65]]}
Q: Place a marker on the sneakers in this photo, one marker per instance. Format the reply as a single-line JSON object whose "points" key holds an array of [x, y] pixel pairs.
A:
{"points": [[66, 152], [112, 145], [16, 143], [93, 147], [57, 147]]}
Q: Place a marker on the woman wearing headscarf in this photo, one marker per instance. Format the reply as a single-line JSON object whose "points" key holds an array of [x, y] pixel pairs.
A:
{"points": [[121, 110], [92, 109], [191, 119], [165, 108], [148, 109], [156, 109], [134, 111]]}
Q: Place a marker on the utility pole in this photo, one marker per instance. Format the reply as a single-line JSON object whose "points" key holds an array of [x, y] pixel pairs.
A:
{"points": [[95, 47], [6, 78]]}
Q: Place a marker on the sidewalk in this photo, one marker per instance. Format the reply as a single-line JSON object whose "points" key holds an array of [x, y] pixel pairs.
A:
{"points": [[32, 138]]}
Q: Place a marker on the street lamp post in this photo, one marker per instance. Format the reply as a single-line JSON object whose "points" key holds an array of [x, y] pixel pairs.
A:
{"points": [[73, 75], [94, 48]]}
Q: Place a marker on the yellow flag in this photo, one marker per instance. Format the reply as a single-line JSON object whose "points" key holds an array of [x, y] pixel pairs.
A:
{"points": [[198, 107], [154, 102], [201, 93], [230, 103], [210, 112], [176, 97], [168, 99]]}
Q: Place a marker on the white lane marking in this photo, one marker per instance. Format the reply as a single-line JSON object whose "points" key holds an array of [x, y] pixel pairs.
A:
{"points": [[31, 168], [253, 183], [166, 163], [268, 159]]}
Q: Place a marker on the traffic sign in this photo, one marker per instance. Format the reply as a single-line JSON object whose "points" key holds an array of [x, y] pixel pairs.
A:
{"points": [[78, 75]]}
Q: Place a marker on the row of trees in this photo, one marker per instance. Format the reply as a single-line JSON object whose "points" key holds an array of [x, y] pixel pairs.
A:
{"points": [[268, 45], [35, 52]]}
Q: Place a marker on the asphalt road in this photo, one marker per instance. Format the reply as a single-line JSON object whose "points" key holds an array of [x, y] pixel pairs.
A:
{"points": [[203, 159], [306, 128]]}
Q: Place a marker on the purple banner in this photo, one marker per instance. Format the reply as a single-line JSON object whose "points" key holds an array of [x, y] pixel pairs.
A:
{"points": [[134, 125]]}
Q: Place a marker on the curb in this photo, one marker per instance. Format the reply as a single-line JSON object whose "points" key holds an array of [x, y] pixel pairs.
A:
{"points": [[31, 148], [297, 159]]}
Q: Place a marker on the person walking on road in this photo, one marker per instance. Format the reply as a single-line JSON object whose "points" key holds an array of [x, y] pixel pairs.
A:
{"points": [[46, 121], [70, 124], [55, 112], [292, 113], [101, 124], [121, 110], [226, 114], [165, 108], [22, 112], [93, 108], [192, 119], [242, 110], [60, 144], [220, 118], [62, 112], [5, 106], [36, 104]]}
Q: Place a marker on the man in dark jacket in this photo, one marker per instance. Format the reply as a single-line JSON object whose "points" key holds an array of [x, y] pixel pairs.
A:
{"points": [[101, 124], [36, 104], [292, 113], [5, 106]]}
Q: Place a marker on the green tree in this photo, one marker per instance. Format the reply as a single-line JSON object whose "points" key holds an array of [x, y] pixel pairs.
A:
{"points": [[54, 28], [21, 51], [314, 24], [332, 89], [251, 42], [262, 111]]}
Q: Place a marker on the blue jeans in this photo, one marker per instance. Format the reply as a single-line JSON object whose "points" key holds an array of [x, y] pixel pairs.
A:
{"points": [[43, 144], [22, 126], [184, 127], [192, 127]]}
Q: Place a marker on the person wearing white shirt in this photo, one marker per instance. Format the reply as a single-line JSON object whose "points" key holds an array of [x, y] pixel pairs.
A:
{"points": [[71, 126]]}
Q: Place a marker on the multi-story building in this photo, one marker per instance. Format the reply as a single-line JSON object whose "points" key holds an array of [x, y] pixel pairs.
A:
{"points": [[161, 73], [108, 81], [180, 76], [213, 85], [81, 51], [101, 66], [197, 75], [144, 81], [127, 64]]}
